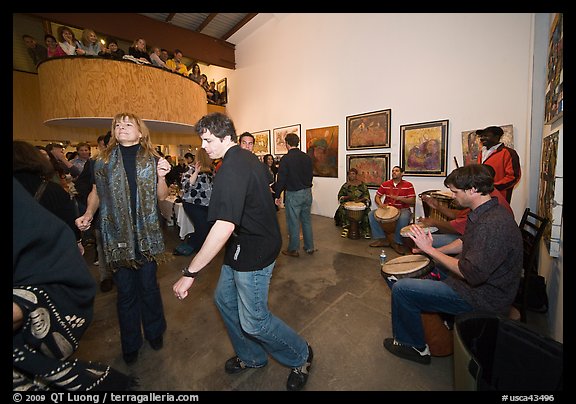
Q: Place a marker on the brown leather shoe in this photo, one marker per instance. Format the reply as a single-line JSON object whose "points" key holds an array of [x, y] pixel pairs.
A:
{"points": [[382, 242], [291, 253]]}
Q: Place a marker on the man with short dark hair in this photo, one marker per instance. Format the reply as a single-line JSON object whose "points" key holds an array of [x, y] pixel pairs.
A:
{"points": [[246, 141], [295, 180], [484, 276], [503, 159], [245, 222]]}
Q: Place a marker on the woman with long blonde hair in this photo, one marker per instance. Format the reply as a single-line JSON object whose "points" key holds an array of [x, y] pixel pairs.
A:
{"points": [[129, 181]]}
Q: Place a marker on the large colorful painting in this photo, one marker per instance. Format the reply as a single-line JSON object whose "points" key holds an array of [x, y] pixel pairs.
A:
{"points": [[546, 193], [322, 147], [368, 131], [423, 148], [471, 144], [554, 107], [278, 135], [372, 169]]}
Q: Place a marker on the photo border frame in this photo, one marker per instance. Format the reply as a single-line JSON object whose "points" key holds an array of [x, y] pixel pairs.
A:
{"points": [[278, 132], [371, 183], [374, 116], [268, 145], [223, 94], [443, 126]]}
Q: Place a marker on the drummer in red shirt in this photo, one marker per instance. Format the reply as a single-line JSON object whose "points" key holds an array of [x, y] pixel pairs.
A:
{"points": [[400, 194]]}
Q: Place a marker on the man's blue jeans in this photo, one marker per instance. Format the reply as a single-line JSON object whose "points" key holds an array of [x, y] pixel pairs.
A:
{"points": [[379, 233], [139, 305], [298, 206], [410, 297], [242, 298]]}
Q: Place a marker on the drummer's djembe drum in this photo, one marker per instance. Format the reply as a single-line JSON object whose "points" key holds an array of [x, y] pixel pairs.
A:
{"points": [[437, 333], [405, 233], [444, 199], [355, 213], [387, 216]]}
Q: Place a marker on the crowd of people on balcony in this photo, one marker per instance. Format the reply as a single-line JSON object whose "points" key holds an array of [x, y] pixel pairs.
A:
{"points": [[66, 44]]}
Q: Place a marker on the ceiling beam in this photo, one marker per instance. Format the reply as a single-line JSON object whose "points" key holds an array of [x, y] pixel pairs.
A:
{"points": [[130, 26], [239, 25], [206, 22]]}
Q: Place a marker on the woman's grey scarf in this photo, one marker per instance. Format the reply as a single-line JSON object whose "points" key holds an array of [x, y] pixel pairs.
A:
{"points": [[123, 236]]}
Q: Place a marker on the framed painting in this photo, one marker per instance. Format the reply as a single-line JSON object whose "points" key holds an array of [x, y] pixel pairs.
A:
{"points": [[261, 142], [222, 87], [368, 131], [278, 135], [471, 145], [322, 147], [554, 102], [372, 169], [423, 148]]}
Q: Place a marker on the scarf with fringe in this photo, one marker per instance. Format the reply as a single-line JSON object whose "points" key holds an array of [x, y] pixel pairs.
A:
{"points": [[128, 236]]}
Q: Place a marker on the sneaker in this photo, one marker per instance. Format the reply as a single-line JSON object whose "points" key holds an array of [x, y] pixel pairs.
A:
{"points": [[299, 376], [236, 365], [407, 351]]}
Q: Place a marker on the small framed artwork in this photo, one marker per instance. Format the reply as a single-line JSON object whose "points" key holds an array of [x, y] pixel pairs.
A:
{"points": [[471, 145], [423, 148], [222, 87], [322, 147], [278, 135], [368, 131], [261, 142], [372, 169]]}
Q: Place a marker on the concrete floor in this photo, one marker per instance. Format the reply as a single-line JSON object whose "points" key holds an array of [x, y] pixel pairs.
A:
{"points": [[336, 299]]}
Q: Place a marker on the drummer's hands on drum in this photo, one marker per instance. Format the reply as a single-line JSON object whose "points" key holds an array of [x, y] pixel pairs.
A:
{"points": [[427, 221], [421, 238]]}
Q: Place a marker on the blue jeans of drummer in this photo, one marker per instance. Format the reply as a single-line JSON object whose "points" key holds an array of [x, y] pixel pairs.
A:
{"points": [[139, 305], [411, 296], [255, 333], [379, 233], [298, 206]]}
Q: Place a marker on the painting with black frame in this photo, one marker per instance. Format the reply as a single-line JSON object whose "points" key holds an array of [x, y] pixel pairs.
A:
{"points": [[370, 130], [372, 169]]}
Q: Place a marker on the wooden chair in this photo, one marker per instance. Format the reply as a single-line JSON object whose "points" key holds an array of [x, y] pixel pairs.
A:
{"points": [[532, 228]]}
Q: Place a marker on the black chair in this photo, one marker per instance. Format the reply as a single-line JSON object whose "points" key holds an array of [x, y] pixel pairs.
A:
{"points": [[532, 228]]}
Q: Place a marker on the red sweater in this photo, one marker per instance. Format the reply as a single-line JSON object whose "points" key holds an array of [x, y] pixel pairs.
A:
{"points": [[506, 163]]}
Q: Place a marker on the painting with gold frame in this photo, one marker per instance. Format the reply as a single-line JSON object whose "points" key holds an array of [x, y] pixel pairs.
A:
{"points": [[261, 142], [423, 148]]}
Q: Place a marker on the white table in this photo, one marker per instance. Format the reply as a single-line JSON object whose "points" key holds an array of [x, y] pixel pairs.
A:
{"points": [[172, 210]]}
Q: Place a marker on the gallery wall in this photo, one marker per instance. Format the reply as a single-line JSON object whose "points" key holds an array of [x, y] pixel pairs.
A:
{"points": [[473, 70]]}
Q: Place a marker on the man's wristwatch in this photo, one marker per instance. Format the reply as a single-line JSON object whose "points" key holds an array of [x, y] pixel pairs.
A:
{"points": [[189, 274]]}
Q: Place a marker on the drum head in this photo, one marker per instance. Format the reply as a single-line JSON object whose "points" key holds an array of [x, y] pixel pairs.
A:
{"points": [[405, 231], [406, 265], [387, 213], [354, 206]]}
